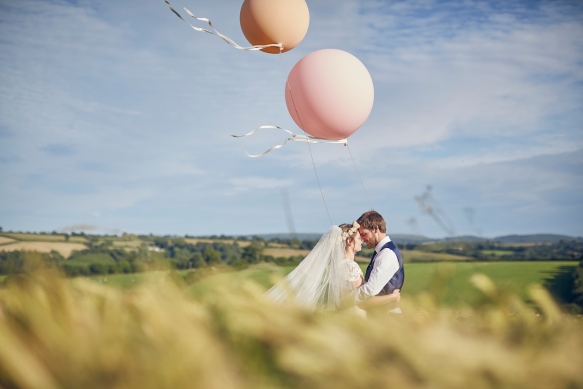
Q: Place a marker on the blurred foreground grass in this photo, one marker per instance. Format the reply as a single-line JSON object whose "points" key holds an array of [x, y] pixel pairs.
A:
{"points": [[221, 332]]}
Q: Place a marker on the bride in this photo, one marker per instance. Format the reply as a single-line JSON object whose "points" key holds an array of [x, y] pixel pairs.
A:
{"points": [[327, 275]]}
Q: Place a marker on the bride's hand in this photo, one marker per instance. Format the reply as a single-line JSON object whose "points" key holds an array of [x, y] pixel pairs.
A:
{"points": [[377, 301], [397, 294]]}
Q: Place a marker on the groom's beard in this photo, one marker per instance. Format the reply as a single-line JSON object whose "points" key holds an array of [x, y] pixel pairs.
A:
{"points": [[372, 243]]}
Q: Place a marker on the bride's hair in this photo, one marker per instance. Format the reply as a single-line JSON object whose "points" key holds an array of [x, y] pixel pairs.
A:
{"points": [[348, 231]]}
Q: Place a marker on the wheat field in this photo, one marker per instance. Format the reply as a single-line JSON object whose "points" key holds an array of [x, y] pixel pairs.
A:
{"points": [[284, 252], [241, 243], [5, 240], [44, 237], [59, 333], [65, 249]]}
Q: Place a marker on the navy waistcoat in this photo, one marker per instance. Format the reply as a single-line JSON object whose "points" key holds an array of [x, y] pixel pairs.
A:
{"points": [[398, 279]]}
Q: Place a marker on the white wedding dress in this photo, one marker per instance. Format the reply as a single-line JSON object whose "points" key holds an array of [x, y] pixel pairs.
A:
{"points": [[323, 280], [352, 272]]}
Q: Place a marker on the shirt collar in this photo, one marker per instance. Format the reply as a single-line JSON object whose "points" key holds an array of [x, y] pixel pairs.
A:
{"points": [[383, 242]]}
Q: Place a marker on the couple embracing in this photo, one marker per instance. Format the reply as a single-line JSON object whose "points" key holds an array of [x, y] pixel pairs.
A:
{"points": [[329, 278]]}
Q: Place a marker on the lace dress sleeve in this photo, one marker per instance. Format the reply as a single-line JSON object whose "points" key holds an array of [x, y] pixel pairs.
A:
{"points": [[352, 271]]}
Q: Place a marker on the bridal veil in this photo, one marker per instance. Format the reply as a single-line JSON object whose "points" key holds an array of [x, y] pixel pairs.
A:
{"points": [[318, 281]]}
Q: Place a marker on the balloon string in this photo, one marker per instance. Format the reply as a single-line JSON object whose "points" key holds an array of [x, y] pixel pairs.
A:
{"points": [[294, 138], [215, 32], [309, 146], [361, 182]]}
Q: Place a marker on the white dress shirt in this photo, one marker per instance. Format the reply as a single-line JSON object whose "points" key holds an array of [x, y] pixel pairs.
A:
{"points": [[385, 266]]}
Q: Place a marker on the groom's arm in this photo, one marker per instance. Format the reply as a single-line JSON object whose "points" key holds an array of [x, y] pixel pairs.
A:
{"points": [[385, 266]]}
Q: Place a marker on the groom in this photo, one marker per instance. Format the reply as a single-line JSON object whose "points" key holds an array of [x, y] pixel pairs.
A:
{"points": [[385, 273]]}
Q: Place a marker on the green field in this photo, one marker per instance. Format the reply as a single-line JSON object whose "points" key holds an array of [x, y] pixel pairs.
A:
{"points": [[512, 276], [122, 280], [424, 256], [418, 256], [449, 280], [497, 253]]}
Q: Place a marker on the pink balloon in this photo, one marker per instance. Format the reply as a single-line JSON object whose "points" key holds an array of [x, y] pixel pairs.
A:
{"points": [[329, 94]]}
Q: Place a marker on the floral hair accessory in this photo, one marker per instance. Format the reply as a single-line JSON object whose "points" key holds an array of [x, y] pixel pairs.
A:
{"points": [[351, 231]]}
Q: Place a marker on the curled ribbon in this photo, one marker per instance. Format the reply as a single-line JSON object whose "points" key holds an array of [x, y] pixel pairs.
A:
{"points": [[215, 32], [294, 138]]}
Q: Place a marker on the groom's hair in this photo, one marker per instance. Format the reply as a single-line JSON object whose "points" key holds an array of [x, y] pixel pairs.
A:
{"points": [[372, 219]]}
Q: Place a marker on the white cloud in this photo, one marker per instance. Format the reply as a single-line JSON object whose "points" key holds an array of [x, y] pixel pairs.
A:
{"points": [[145, 106], [499, 79], [503, 154]]}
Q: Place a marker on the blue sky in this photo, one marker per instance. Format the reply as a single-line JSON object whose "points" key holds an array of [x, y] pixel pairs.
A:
{"points": [[116, 116]]}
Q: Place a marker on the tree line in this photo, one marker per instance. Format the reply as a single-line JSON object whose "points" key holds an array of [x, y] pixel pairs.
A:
{"points": [[102, 257], [563, 250]]}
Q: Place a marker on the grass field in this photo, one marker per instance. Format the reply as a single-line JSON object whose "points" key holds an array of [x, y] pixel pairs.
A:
{"points": [[408, 255], [417, 256], [423, 256], [451, 281], [123, 280], [497, 253]]}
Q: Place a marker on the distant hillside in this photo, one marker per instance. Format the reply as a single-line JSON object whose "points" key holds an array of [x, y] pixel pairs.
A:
{"points": [[287, 235], [535, 238], [408, 238], [509, 239], [401, 238], [465, 238]]}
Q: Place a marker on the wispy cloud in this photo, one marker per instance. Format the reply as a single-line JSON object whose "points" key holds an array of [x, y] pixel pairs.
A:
{"points": [[472, 69]]}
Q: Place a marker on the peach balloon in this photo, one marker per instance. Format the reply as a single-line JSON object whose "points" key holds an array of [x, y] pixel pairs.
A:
{"points": [[329, 94], [275, 21]]}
